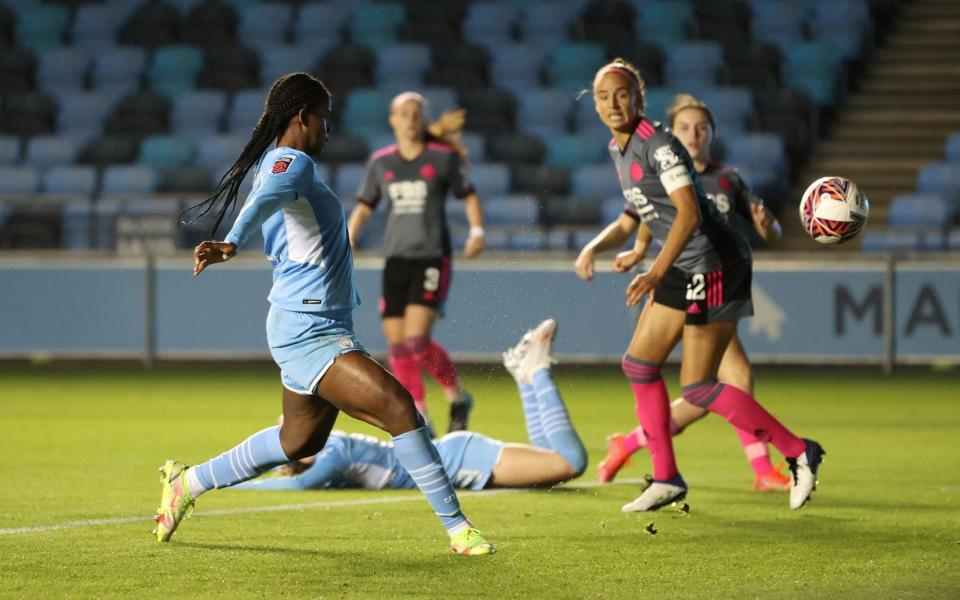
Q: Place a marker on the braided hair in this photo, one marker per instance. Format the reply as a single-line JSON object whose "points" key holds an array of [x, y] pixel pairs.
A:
{"points": [[287, 97]]}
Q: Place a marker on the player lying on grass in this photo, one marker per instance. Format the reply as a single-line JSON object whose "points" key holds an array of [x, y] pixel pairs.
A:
{"points": [[472, 461]]}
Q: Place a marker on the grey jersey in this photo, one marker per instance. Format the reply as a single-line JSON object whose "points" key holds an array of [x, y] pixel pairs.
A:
{"points": [[416, 191], [655, 163]]}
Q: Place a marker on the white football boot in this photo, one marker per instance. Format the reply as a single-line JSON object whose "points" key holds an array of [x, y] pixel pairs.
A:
{"points": [[658, 495], [804, 470], [538, 349]]}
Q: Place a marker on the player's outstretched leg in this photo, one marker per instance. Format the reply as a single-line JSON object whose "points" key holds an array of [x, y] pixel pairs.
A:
{"points": [[512, 360], [176, 502], [804, 470]]}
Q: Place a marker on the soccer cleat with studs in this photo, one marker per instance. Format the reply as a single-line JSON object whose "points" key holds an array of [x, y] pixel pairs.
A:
{"points": [[470, 542], [617, 458], [804, 471], [176, 503], [657, 495]]}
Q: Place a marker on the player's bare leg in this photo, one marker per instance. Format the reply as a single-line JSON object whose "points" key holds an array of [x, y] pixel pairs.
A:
{"points": [[418, 321], [527, 466]]}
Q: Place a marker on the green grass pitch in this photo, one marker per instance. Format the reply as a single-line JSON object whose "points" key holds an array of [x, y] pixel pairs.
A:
{"points": [[85, 444]]}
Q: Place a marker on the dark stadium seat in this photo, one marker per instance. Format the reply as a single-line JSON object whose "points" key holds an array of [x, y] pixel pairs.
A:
{"points": [[515, 148], [95, 26], [119, 66], [940, 178], [491, 179], [517, 209], [29, 113], [543, 180], [546, 21], [694, 60], [345, 67], [211, 23], [152, 24], [645, 56], [490, 22], [185, 180], [16, 71], [230, 68], [567, 210], [7, 22], [401, 63], [345, 148], [457, 78], [276, 61], [597, 181], [140, 113], [663, 22], [110, 149], [320, 21], [751, 64], [216, 150], [489, 110], [376, 24], [266, 22], [63, 68], [471, 57], [128, 180], [951, 150], [198, 113]]}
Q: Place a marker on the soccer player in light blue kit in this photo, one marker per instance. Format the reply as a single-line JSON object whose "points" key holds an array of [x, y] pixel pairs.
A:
{"points": [[324, 369], [472, 461]]}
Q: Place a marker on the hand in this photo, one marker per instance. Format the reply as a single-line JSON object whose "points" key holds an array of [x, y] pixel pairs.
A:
{"points": [[643, 284], [211, 253], [626, 260], [763, 219], [584, 265], [473, 247]]}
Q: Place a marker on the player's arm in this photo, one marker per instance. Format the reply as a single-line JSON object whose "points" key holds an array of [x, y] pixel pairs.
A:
{"points": [[628, 259], [276, 191], [358, 218], [754, 210], [613, 236], [474, 210], [368, 196]]}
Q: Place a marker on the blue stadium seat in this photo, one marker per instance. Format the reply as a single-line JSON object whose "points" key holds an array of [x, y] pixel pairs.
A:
{"points": [[118, 66], [953, 240], [940, 178], [841, 15], [572, 66], [40, 27], [611, 208], [197, 113], [658, 100], [511, 210], [952, 148], [95, 26], [347, 180], [441, 99], [376, 24], [932, 240], [490, 23], [128, 180], [558, 240], [401, 63], [545, 107], [366, 112], [70, 181], [63, 68], [166, 152], [597, 181], [456, 217], [528, 240], [475, 144], [174, 69], [731, 107], [878, 240], [265, 22], [510, 61], [321, 21], [84, 112], [574, 151], [545, 21], [758, 175], [276, 61], [50, 150], [215, 151], [663, 22], [696, 61], [18, 181], [756, 151], [779, 22], [9, 150], [490, 179], [920, 210], [814, 67]]}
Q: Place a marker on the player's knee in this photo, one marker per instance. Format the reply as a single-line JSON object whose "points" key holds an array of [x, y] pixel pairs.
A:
{"points": [[640, 371], [297, 444], [577, 461], [418, 347], [702, 393]]}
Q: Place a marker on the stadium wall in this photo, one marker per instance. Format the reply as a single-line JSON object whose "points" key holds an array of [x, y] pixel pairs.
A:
{"points": [[857, 312]]}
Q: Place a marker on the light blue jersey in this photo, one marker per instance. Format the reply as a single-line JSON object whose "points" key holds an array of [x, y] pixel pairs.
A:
{"points": [[305, 234], [356, 460]]}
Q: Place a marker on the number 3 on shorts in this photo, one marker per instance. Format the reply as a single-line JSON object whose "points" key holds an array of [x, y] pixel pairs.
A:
{"points": [[431, 279], [696, 288]]}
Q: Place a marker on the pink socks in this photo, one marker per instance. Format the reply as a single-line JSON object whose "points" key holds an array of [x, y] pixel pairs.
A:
{"points": [[653, 412]]}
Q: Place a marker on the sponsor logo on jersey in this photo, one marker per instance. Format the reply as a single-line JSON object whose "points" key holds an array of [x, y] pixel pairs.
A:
{"points": [[721, 201], [407, 197], [282, 164], [641, 204], [666, 157]]}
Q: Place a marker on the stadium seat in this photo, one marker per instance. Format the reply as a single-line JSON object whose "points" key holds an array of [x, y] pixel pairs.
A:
{"points": [[198, 113], [185, 180], [731, 107], [348, 179], [663, 22], [544, 180], [953, 240], [69, 181], [166, 152], [517, 210], [128, 180], [611, 209], [441, 99], [377, 24], [63, 68], [401, 63], [140, 113], [489, 110], [574, 150], [597, 181], [265, 22], [572, 66], [815, 68], [515, 61], [952, 148], [490, 23], [50, 150], [545, 107], [110, 149], [151, 24], [320, 21], [345, 148], [18, 181], [658, 100], [174, 69], [694, 61], [230, 68], [9, 150], [545, 21], [118, 66], [920, 210], [213, 151], [755, 151], [456, 216], [83, 111], [276, 61], [29, 113], [751, 64], [490, 179], [528, 240], [40, 27], [516, 148], [207, 24], [466, 57], [942, 179], [779, 20], [95, 26], [366, 112], [476, 146], [16, 70], [889, 241], [562, 210]]}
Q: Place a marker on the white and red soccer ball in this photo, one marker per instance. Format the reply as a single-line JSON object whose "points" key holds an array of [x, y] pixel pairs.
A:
{"points": [[833, 210]]}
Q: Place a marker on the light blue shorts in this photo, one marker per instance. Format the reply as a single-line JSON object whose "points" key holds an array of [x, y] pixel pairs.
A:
{"points": [[469, 458], [304, 345]]}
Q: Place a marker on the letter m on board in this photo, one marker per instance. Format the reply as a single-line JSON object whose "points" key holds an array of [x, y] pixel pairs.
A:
{"points": [[871, 306]]}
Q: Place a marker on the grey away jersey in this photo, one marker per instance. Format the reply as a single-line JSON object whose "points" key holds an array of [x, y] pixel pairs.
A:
{"points": [[416, 191], [653, 164], [731, 195]]}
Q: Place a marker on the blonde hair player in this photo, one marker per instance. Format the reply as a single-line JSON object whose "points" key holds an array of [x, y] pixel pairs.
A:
{"points": [[699, 286]]}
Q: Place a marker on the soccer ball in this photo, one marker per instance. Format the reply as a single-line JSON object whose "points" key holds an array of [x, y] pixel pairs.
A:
{"points": [[833, 210]]}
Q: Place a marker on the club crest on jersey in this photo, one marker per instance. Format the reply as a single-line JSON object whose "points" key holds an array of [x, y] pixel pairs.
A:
{"points": [[282, 164], [428, 171], [636, 172], [666, 157], [346, 342]]}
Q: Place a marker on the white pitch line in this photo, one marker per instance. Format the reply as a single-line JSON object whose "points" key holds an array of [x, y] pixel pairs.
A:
{"points": [[288, 507]]}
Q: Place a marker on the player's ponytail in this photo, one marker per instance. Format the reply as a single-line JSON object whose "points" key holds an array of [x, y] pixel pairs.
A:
{"points": [[446, 130], [287, 97]]}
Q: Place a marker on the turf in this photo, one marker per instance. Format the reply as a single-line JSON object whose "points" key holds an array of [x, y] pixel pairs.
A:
{"points": [[84, 444]]}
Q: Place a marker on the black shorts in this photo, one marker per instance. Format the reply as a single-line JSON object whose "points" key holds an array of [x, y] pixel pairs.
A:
{"points": [[424, 281], [722, 295]]}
